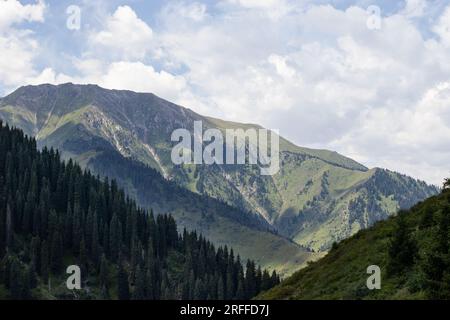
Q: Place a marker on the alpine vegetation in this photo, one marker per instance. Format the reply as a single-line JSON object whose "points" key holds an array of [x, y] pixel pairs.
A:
{"points": [[56, 218]]}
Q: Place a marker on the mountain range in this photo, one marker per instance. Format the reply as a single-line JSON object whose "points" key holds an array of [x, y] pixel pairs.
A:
{"points": [[318, 197]]}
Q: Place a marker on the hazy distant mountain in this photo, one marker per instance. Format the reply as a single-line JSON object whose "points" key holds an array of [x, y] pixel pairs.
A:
{"points": [[317, 197]]}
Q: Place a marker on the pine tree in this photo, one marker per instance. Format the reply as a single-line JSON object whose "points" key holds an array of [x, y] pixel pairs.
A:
{"points": [[44, 270], [114, 237], [266, 282], [2, 231], [199, 290], [240, 292], [250, 277], [139, 288], [123, 290], [104, 273], [230, 287], [56, 257], [275, 279], [15, 280], [83, 259], [50, 209], [95, 245], [9, 226], [25, 283], [220, 289]]}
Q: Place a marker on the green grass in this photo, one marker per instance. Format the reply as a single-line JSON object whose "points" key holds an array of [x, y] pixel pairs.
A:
{"points": [[341, 274]]}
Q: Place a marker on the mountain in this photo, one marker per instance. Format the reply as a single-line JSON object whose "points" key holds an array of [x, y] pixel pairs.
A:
{"points": [[411, 249], [69, 118], [318, 197], [53, 215]]}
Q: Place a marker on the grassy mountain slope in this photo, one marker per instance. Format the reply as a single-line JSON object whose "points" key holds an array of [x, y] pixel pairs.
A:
{"points": [[85, 134], [341, 274], [222, 224], [318, 196]]}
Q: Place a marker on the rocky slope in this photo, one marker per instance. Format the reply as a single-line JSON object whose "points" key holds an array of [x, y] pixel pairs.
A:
{"points": [[318, 196]]}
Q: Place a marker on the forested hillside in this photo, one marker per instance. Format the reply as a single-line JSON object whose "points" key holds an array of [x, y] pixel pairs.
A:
{"points": [[412, 250], [81, 123], [53, 214], [317, 197]]}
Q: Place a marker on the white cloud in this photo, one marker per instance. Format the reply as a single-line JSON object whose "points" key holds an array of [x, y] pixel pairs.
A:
{"points": [[414, 8], [272, 9], [124, 35], [17, 46], [324, 78], [442, 28], [257, 3], [313, 71], [122, 75], [193, 11], [13, 12], [143, 78]]}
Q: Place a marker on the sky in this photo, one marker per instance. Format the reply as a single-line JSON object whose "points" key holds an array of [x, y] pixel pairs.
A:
{"points": [[368, 79]]}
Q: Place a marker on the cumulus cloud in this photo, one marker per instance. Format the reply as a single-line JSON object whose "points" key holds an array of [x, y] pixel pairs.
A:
{"points": [[120, 75], [12, 12], [316, 72], [17, 46], [442, 28], [323, 77], [143, 78], [124, 35]]}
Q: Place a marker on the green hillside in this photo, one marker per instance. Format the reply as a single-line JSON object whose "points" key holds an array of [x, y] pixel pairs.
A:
{"points": [[412, 249], [54, 215], [318, 196], [83, 133]]}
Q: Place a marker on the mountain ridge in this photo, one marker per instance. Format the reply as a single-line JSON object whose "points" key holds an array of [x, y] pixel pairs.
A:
{"points": [[256, 237], [317, 198]]}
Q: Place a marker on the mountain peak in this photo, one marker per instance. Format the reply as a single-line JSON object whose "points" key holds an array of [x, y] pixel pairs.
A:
{"points": [[317, 197]]}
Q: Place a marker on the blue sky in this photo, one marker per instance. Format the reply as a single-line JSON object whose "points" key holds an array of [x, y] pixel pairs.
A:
{"points": [[327, 74]]}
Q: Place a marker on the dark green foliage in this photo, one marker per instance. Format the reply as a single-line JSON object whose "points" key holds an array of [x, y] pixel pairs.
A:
{"points": [[123, 289], [403, 248], [436, 264], [52, 214], [412, 250]]}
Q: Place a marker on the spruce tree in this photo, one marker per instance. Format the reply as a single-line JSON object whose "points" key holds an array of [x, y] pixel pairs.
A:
{"points": [[56, 256], [44, 270], [139, 288], [123, 290], [51, 209], [104, 272]]}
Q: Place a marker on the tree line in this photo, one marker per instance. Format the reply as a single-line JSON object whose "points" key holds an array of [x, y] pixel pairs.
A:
{"points": [[423, 249], [53, 214]]}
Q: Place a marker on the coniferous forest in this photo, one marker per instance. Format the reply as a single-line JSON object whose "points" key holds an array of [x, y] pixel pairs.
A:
{"points": [[53, 214]]}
